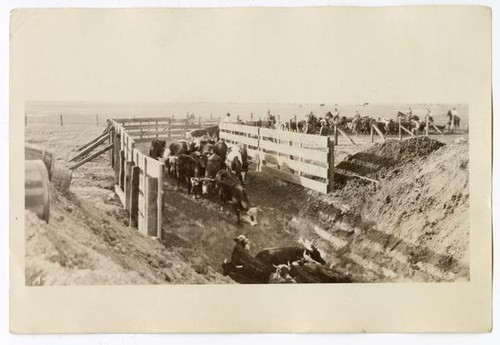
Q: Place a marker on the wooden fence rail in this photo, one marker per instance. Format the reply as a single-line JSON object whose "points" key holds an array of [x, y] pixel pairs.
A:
{"points": [[303, 159]]}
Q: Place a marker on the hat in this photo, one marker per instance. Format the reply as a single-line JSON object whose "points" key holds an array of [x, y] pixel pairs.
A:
{"points": [[241, 238]]}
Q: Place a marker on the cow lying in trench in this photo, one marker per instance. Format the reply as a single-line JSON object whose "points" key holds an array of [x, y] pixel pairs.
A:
{"points": [[280, 265]]}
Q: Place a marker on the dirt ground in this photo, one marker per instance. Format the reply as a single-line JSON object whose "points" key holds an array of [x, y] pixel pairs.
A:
{"points": [[412, 226]]}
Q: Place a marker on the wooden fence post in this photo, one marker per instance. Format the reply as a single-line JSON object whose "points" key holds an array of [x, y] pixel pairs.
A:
{"points": [[122, 170], [112, 141], [134, 197], [336, 142], [159, 201], [116, 152], [61, 120], [251, 117], [129, 165], [399, 128], [331, 166], [260, 159], [371, 133], [151, 203]]}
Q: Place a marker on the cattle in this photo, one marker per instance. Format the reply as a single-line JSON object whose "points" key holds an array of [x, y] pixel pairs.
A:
{"points": [[237, 161], [214, 164], [170, 155], [188, 170], [210, 133], [231, 190], [281, 275], [283, 255], [220, 149], [243, 267], [157, 148]]}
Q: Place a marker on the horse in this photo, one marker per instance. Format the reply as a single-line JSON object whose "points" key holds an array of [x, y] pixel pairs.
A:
{"points": [[455, 124]]}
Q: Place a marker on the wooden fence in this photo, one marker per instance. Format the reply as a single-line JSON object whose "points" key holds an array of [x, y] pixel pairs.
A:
{"points": [[139, 178], [146, 129], [138, 181], [303, 159]]}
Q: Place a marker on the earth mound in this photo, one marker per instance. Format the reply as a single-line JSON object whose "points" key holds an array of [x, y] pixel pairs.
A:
{"points": [[413, 224], [388, 154]]}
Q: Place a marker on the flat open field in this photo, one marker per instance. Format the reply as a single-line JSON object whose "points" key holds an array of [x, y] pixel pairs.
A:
{"points": [[412, 226]]}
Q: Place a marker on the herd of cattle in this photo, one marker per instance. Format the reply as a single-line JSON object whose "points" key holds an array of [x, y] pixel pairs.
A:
{"points": [[207, 166], [280, 265], [358, 124]]}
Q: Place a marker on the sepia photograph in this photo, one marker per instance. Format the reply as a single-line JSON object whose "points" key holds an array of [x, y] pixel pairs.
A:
{"points": [[208, 193], [335, 161]]}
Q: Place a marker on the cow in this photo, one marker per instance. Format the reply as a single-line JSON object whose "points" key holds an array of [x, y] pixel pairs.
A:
{"points": [[170, 155], [210, 133], [157, 148], [243, 267], [281, 275], [231, 190], [220, 149], [188, 169], [283, 255], [237, 161], [214, 164]]}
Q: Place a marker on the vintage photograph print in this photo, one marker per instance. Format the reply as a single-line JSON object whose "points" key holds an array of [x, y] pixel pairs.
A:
{"points": [[213, 162]]}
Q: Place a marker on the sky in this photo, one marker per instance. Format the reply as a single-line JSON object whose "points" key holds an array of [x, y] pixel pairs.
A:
{"points": [[246, 55]]}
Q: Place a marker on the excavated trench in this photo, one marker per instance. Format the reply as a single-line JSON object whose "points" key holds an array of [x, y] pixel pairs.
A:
{"points": [[362, 229]]}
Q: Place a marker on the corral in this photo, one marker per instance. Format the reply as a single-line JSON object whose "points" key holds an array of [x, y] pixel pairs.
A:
{"points": [[359, 225]]}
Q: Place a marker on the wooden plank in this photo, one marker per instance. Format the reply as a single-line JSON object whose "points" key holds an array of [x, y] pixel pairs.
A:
{"points": [[239, 128], [317, 155], [122, 169], [239, 139], [437, 129], [140, 119], [296, 179], [83, 147], [120, 194], [88, 159], [159, 202], [331, 165], [148, 165], [152, 206], [134, 197], [128, 184], [306, 139], [346, 136], [379, 132], [407, 131], [296, 165]]}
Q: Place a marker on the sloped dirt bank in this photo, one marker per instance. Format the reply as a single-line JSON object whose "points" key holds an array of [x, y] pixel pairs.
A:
{"points": [[414, 224]]}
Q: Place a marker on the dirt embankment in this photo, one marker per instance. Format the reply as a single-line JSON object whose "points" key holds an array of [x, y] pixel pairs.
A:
{"points": [[88, 245], [414, 224], [88, 241]]}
